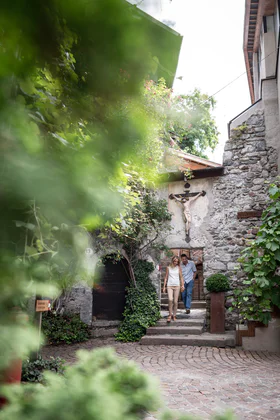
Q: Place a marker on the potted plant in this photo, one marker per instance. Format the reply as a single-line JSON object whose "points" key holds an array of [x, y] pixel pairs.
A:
{"points": [[12, 373], [217, 285]]}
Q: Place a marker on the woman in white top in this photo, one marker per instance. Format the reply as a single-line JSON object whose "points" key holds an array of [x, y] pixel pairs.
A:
{"points": [[173, 280]]}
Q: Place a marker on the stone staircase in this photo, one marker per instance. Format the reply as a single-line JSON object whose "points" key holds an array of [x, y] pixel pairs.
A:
{"points": [[196, 304], [188, 330]]}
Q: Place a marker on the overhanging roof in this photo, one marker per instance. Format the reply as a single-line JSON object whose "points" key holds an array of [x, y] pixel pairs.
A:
{"points": [[178, 160], [164, 47], [196, 174], [255, 10]]}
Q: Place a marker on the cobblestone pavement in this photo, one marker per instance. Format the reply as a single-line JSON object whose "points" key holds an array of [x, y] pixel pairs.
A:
{"points": [[202, 380]]}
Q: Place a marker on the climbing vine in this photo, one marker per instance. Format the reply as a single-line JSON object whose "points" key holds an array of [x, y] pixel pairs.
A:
{"points": [[142, 308], [141, 226], [261, 262]]}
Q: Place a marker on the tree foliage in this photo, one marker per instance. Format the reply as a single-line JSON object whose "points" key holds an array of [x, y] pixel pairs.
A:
{"points": [[261, 289], [186, 120], [141, 226], [72, 117], [68, 124]]}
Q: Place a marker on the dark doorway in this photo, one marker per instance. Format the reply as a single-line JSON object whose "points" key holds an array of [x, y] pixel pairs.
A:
{"points": [[109, 295]]}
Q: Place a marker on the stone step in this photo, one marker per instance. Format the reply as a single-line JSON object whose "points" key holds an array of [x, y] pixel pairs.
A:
{"points": [[205, 339], [103, 328], [196, 304], [165, 296], [173, 329], [165, 301], [186, 322]]}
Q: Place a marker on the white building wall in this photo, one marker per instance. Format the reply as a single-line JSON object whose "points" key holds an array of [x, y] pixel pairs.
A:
{"points": [[200, 210], [269, 49]]}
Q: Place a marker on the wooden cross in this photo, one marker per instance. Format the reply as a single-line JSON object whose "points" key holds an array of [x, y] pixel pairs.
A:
{"points": [[185, 194]]}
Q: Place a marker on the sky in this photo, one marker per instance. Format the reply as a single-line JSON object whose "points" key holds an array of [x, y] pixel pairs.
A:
{"points": [[211, 54]]}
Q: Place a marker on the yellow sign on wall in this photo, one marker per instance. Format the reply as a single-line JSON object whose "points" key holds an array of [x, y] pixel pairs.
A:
{"points": [[43, 305]]}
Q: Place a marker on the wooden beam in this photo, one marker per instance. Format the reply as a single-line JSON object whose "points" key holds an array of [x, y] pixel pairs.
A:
{"points": [[259, 25], [245, 49], [269, 7]]}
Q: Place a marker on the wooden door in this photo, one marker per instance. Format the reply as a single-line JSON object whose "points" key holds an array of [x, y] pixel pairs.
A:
{"points": [[109, 295]]}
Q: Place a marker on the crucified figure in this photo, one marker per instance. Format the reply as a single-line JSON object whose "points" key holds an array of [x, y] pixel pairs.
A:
{"points": [[186, 202]]}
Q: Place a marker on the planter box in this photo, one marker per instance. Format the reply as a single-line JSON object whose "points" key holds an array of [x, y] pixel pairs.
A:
{"points": [[11, 375], [217, 313]]}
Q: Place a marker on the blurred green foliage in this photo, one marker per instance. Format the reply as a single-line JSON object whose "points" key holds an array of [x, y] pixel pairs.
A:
{"points": [[69, 119], [99, 387], [73, 118]]}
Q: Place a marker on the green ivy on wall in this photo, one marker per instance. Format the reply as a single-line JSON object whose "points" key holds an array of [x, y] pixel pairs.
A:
{"points": [[260, 262], [142, 308]]}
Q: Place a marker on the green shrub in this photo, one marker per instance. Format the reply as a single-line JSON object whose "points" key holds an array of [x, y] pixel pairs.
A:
{"points": [[34, 371], [64, 328], [100, 386], [142, 307], [217, 283]]}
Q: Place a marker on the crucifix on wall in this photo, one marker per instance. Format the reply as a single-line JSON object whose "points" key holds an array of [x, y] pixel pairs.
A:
{"points": [[186, 199]]}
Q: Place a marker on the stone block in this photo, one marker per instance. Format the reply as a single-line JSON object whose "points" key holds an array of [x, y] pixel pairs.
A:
{"points": [[248, 148], [258, 181], [260, 145], [80, 302], [257, 187], [256, 120], [103, 332], [233, 266], [217, 265], [225, 257], [227, 158]]}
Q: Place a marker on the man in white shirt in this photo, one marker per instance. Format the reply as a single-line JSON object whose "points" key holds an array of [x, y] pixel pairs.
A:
{"points": [[189, 274]]}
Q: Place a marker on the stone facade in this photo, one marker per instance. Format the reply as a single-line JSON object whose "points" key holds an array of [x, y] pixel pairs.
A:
{"points": [[249, 160], [248, 163]]}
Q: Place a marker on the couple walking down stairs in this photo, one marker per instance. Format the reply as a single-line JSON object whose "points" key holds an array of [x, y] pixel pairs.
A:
{"points": [[188, 329]]}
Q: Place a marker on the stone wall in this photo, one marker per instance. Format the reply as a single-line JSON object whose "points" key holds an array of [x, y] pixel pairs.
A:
{"points": [[248, 163], [250, 159], [79, 301]]}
